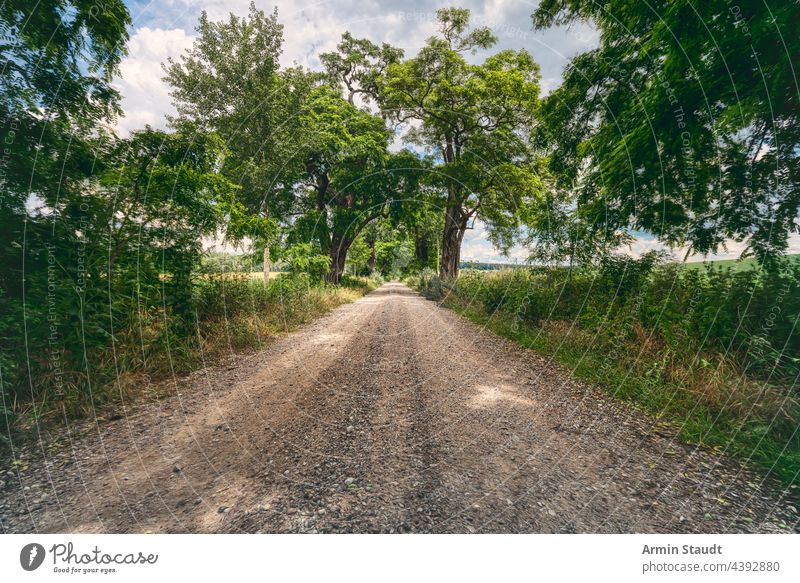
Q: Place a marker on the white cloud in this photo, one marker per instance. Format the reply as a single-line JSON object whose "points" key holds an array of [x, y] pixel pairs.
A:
{"points": [[477, 247], [145, 97]]}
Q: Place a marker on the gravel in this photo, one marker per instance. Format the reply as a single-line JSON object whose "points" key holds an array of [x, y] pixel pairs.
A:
{"points": [[387, 415]]}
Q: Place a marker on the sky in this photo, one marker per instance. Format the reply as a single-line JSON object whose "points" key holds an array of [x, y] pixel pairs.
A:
{"points": [[166, 29]]}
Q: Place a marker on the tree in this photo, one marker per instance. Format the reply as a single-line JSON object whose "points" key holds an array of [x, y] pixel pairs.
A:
{"points": [[302, 155], [350, 177], [305, 258], [358, 258], [120, 253], [57, 58], [476, 118], [358, 65], [229, 83], [159, 196], [683, 123]]}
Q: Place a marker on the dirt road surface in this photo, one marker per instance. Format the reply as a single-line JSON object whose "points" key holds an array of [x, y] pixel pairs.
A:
{"points": [[387, 415]]}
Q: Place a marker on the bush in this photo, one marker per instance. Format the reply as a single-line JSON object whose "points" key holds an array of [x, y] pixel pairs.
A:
{"points": [[305, 258]]}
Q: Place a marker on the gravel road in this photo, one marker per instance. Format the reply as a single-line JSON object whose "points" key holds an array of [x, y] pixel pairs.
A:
{"points": [[387, 415]]}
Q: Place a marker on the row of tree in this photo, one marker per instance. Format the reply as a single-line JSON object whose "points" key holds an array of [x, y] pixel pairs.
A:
{"points": [[682, 123], [313, 160], [690, 136]]}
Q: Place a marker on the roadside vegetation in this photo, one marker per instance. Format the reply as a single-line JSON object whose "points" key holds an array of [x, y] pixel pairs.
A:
{"points": [[714, 352], [231, 313]]}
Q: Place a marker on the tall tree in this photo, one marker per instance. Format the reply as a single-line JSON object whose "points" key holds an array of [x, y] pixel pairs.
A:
{"points": [[683, 122], [350, 177], [229, 83], [476, 119]]}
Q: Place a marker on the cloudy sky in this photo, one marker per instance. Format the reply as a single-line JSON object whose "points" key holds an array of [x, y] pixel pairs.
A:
{"points": [[166, 28]]}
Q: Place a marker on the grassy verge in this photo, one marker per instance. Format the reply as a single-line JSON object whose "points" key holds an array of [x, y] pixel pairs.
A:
{"points": [[706, 394], [231, 315]]}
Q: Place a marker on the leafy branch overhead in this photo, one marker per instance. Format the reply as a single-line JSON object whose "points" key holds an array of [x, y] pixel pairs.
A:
{"points": [[682, 123]]}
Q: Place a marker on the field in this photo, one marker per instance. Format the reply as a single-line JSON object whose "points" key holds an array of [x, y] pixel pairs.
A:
{"points": [[734, 264]]}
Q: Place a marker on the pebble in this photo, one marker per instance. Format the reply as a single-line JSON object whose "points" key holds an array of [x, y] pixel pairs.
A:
{"points": [[349, 481]]}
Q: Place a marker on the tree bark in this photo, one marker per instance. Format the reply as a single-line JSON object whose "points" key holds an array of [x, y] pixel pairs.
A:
{"points": [[422, 249], [373, 257], [455, 225], [266, 264], [338, 254]]}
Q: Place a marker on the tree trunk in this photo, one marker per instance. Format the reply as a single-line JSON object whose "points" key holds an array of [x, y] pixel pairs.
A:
{"points": [[266, 264], [422, 250], [338, 255], [373, 257], [454, 226]]}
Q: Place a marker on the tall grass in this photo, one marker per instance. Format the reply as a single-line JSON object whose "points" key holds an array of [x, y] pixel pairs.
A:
{"points": [[230, 314], [715, 351]]}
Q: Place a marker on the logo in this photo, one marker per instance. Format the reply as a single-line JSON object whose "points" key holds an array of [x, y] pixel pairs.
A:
{"points": [[31, 556]]}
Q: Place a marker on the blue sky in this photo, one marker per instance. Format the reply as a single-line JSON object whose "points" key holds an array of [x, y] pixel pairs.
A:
{"points": [[165, 29]]}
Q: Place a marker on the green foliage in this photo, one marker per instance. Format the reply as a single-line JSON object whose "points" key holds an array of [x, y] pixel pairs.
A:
{"points": [[229, 83], [394, 257], [688, 135], [359, 256], [112, 260], [358, 65], [305, 258], [298, 148], [476, 119], [58, 57]]}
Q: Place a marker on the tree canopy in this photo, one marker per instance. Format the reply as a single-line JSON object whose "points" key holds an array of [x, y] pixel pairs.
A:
{"points": [[682, 123], [476, 120]]}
